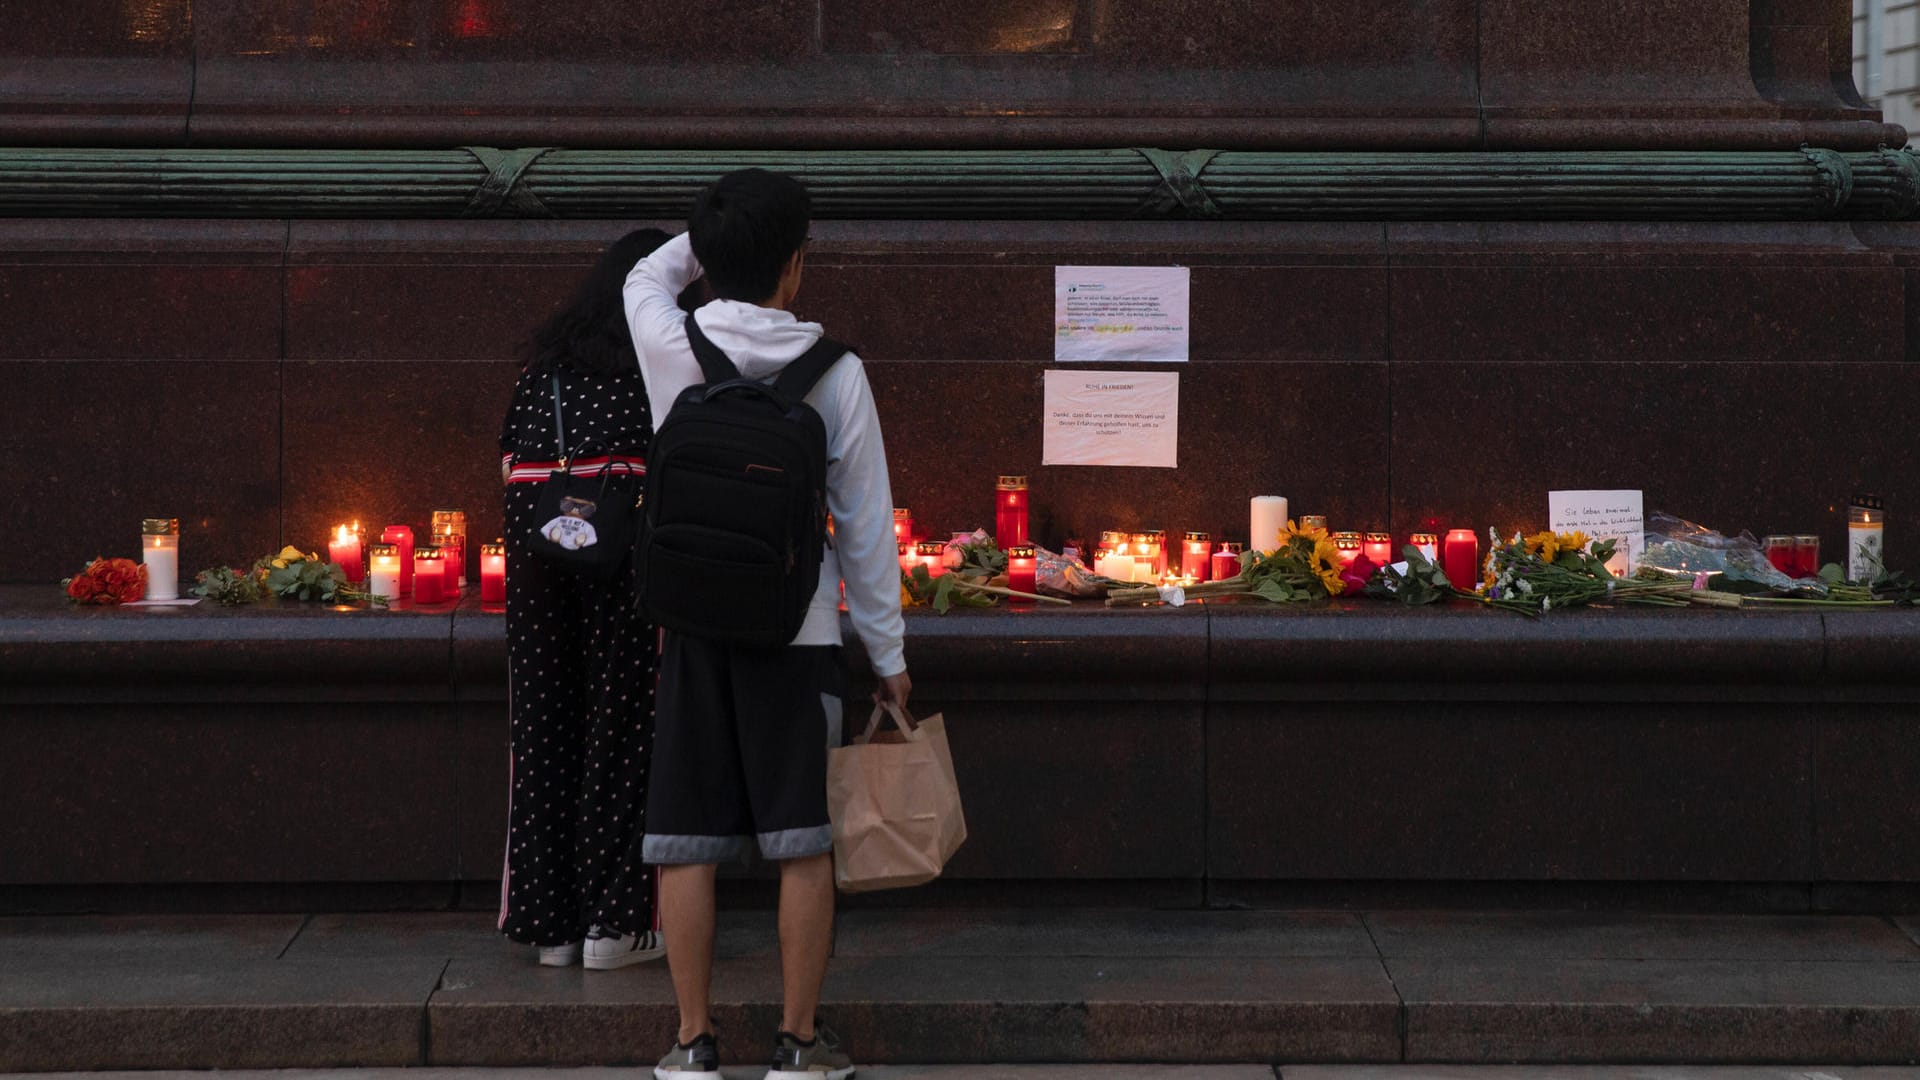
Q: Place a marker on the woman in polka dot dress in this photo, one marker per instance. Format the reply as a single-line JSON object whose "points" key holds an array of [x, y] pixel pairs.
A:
{"points": [[580, 663]]}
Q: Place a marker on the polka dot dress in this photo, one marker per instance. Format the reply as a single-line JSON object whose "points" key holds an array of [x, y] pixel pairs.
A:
{"points": [[581, 667]]}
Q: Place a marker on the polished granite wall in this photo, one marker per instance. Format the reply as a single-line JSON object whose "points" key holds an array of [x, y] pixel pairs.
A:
{"points": [[1397, 74], [262, 380]]}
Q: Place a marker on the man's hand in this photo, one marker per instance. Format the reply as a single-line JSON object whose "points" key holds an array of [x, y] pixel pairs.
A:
{"points": [[894, 688]]}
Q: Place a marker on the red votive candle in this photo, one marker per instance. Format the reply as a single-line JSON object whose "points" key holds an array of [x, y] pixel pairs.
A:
{"points": [[401, 537], [344, 551], [1226, 562], [1783, 553], [429, 575], [1460, 558], [1158, 539], [1428, 544], [1349, 544], [1010, 511], [493, 573], [1806, 552], [932, 554], [902, 525], [1378, 548], [907, 559], [1196, 556], [1022, 564]]}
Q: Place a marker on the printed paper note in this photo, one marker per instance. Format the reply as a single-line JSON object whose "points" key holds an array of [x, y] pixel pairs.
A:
{"points": [[1120, 314], [1112, 418]]}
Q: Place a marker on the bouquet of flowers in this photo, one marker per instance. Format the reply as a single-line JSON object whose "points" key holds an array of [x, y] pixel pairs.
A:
{"points": [[227, 587], [1305, 566], [1535, 574], [107, 581], [290, 575]]}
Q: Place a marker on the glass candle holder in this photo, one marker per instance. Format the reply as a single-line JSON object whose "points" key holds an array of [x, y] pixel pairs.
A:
{"points": [[1010, 511], [1115, 558], [493, 572], [1349, 544], [1460, 558], [1225, 562], [160, 551], [902, 525], [1196, 556], [907, 559], [402, 538], [383, 570], [1429, 546], [932, 554], [1309, 522], [1378, 548], [1146, 556], [1023, 565], [1782, 553], [450, 534], [1158, 538], [345, 551], [1866, 538], [1806, 555], [429, 575]]}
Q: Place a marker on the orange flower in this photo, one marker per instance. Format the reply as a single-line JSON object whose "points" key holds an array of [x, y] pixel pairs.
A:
{"points": [[1544, 544]]}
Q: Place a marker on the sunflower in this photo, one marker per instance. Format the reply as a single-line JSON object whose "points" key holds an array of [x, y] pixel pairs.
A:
{"points": [[1315, 534], [1573, 541], [1325, 564], [1544, 544]]}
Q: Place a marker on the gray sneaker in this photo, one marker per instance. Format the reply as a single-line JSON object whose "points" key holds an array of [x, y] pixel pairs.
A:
{"points": [[701, 1058], [823, 1060]]}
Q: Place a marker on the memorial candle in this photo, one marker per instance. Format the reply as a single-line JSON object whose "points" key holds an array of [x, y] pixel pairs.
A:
{"points": [[1196, 555], [493, 573], [1806, 556], [1428, 544], [1010, 511], [1378, 548], [1266, 517], [160, 551], [1158, 538], [1460, 559], [383, 570], [1782, 554], [402, 538], [902, 525], [1310, 522], [344, 551], [932, 554], [1115, 558], [1349, 545], [1226, 562], [907, 559], [429, 575], [1022, 565], [450, 533]]}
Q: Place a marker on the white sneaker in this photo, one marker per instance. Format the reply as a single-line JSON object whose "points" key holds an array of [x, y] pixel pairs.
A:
{"points": [[559, 955], [607, 950]]}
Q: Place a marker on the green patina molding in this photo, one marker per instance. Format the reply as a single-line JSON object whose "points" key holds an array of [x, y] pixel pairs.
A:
{"points": [[547, 182]]}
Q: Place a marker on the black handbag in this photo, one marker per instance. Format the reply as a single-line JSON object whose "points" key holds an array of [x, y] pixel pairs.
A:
{"points": [[586, 523]]}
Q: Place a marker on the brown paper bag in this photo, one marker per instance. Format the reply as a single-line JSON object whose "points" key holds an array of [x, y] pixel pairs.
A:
{"points": [[895, 804]]}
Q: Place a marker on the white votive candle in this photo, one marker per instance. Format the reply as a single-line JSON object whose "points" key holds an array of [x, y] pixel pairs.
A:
{"points": [[160, 551], [1267, 516], [383, 570]]}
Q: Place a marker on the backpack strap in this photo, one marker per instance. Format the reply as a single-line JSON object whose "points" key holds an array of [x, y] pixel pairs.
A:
{"points": [[796, 380], [714, 364]]}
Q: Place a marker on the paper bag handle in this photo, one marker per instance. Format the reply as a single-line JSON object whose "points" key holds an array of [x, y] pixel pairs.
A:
{"points": [[902, 719]]}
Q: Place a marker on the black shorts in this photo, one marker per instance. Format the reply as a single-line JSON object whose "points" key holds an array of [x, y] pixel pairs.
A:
{"points": [[740, 751]]}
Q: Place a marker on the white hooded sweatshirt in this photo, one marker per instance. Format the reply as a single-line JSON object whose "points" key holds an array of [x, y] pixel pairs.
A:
{"points": [[761, 342]]}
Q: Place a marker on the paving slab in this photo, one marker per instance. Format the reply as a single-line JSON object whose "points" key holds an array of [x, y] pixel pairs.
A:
{"points": [[1659, 1011], [1596, 1072], [1005, 1009], [171, 1011], [90, 939], [1557, 935], [958, 933]]}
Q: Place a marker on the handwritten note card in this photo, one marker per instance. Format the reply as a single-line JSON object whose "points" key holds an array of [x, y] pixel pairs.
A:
{"points": [[1120, 314], [1111, 418], [1603, 515]]}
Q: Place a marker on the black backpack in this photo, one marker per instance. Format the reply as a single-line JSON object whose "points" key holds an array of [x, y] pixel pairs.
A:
{"points": [[735, 510]]}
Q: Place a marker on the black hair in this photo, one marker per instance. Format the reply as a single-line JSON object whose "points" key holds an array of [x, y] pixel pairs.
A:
{"points": [[744, 227], [590, 333]]}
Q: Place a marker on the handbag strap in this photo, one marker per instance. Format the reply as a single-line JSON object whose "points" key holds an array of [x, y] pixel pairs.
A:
{"points": [[902, 719], [559, 422]]}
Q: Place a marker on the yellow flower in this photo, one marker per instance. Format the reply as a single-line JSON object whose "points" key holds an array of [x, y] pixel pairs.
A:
{"points": [[1325, 563], [1315, 534], [1544, 544], [906, 596], [1574, 541]]}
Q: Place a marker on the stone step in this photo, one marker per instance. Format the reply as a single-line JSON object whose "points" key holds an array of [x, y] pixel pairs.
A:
{"points": [[979, 986]]}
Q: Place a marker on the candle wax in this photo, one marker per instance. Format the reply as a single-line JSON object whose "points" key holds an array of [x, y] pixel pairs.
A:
{"points": [[493, 579], [345, 553], [1460, 558], [429, 581], [1020, 578], [1378, 552], [1226, 565], [1010, 517], [384, 579], [163, 571]]}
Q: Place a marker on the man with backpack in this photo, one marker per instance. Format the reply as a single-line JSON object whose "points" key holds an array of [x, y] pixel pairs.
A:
{"points": [[757, 411]]}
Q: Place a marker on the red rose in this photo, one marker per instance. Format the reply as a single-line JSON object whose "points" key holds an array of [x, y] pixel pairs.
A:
{"points": [[1357, 574], [81, 587]]}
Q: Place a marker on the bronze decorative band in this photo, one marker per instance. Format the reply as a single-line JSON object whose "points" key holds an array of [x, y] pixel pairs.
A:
{"points": [[543, 182]]}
